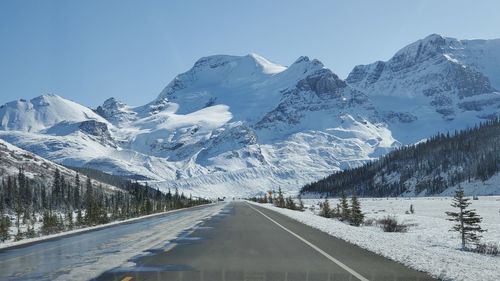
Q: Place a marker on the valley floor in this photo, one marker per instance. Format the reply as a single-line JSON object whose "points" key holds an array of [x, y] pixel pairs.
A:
{"points": [[427, 246]]}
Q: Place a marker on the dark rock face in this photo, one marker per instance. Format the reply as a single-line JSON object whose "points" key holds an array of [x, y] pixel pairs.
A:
{"points": [[98, 131], [113, 111], [322, 90], [324, 83], [403, 117], [430, 67], [469, 82], [109, 108]]}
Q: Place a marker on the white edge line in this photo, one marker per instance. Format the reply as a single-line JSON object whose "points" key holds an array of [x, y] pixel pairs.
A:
{"points": [[336, 261]]}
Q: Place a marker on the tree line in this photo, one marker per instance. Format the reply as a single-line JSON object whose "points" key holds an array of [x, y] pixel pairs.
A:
{"points": [[428, 167], [69, 203]]}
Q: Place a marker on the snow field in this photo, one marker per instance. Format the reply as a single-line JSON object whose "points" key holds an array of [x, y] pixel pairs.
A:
{"points": [[428, 245]]}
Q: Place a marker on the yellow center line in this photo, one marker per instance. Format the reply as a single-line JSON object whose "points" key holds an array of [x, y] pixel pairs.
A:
{"points": [[128, 278]]}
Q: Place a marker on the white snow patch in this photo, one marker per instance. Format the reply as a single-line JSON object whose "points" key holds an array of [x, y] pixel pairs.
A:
{"points": [[428, 246]]}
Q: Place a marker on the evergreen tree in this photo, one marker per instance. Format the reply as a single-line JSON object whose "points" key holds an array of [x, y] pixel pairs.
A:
{"points": [[79, 217], [57, 202], [290, 204], [89, 203], [467, 220], [56, 188], [4, 228], [49, 223], [280, 201], [31, 232], [344, 208], [442, 161], [69, 219], [356, 215], [325, 209], [76, 193]]}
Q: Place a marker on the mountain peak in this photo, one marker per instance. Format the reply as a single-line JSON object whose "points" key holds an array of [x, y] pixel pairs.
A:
{"points": [[267, 66], [249, 62], [423, 49], [306, 60], [42, 112], [434, 36]]}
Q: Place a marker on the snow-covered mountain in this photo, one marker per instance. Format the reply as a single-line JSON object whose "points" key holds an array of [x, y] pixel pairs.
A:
{"points": [[436, 83], [229, 125], [238, 125], [13, 158]]}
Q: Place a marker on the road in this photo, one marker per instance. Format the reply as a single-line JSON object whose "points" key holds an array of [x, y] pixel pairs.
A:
{"points": [[86, 255], [246, 242]]}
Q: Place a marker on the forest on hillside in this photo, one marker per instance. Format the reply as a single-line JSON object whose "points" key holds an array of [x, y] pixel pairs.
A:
{"points": [[426, 168], [69, 203]]}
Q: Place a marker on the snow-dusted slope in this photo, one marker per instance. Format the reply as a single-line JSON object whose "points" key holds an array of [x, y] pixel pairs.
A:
{"points": [[229, 125], [434, 84], [43, 112], [13, 158], [242, 124]]}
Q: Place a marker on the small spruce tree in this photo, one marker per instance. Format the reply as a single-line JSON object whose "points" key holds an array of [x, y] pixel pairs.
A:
{"points": [[344, 208], [69, 219], [290, 204], [356, 215], [4, 228], [467, 220], [280, 201], [79, 217], [325, 209]]}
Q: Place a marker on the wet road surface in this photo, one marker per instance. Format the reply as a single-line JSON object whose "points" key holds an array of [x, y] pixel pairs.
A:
{"points": [[83, 255], [247, 242]]}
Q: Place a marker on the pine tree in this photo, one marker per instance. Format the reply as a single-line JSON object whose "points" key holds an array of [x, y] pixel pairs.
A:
{"points": [[76, 193], [344, 207], [290, 204], [356, 216], [49, 222], [31, 232], [467, 220], [325, 209], [4, 228], [280, 201], [89, 203], [69, 219], [56, 188], [79, 217]]}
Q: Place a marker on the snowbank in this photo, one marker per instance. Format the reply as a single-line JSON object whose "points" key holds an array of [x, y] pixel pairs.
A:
{"points": [[11, 243], [428, 246]]}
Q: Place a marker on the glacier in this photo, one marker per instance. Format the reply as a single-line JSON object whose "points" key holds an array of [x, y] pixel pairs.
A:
{"points": [[243, 125]]}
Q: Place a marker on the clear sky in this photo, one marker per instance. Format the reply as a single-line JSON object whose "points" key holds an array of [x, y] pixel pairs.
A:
{"points": [[88, 50]]}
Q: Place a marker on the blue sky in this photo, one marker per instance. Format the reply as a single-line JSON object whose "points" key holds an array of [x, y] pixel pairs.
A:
{"points": [[88, 51]]}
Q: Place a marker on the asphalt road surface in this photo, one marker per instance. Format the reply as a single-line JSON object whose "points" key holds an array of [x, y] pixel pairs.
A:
{"points": [[85, 255], [246, 242]]}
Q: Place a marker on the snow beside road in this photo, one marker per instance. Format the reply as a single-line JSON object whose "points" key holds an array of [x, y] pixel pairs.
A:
{"points": [[38, 226], [428, 246], [87, 255], [95, 262]]}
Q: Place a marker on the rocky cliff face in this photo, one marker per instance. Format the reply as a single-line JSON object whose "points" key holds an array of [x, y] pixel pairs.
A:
{"points": [[243, 125], [435, 75]]}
